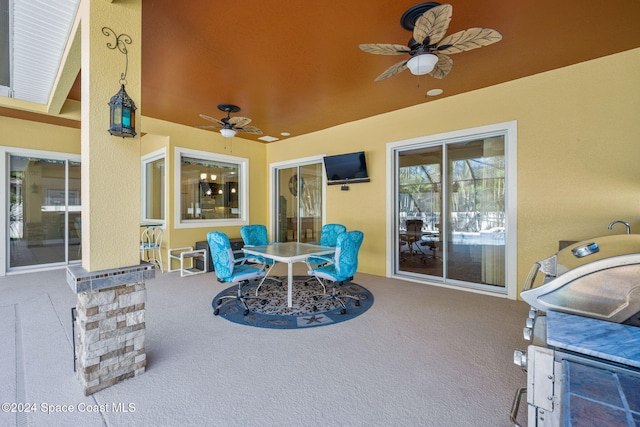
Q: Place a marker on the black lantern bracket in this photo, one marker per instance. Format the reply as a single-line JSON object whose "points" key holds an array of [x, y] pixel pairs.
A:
{"points": [[122, 108]]}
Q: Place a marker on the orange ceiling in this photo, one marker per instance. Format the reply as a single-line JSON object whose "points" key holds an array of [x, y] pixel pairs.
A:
{"points": [[295, 66]]}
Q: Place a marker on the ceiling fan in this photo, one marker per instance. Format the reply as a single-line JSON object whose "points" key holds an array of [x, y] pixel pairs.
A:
{"points": [[229, 126], [428, 50]]}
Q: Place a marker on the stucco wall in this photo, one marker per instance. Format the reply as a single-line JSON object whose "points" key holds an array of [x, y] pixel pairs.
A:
{"points": [[174, 135], [578, 153]]}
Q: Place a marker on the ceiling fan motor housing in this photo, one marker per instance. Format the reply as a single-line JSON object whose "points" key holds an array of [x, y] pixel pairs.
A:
{"points": [[408, 19], [228, 108]]}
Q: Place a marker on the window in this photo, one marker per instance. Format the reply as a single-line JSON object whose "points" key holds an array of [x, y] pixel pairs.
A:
{"points": [[43, 209], [212, 189], [153, 186], [299, 200], [454, 197]]}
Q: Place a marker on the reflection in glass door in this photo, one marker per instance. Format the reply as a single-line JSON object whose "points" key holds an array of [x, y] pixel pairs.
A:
{"points": [[453, 229], [44, 211], [299, 203], [420, 210]]}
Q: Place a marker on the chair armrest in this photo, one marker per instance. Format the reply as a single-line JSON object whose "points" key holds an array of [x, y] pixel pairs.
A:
{"points": [[322, 258], [240, 260]]}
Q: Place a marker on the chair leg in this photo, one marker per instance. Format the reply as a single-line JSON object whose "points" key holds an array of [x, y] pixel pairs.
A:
{"points": [[266, 276], [310, 279], [239, 297], [159, 260], [335, 296]]}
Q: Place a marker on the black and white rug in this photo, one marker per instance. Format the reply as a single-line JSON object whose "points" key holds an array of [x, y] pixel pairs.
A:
{"points": [[276, 314]]}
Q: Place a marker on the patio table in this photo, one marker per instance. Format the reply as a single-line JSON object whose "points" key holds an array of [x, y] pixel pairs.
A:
{"points": [[288, 252]]}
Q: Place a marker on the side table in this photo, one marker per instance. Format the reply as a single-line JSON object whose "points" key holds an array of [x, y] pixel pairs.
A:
{"points": [[188, 253]]}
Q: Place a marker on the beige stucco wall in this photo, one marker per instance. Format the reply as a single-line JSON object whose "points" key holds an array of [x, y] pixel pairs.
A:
{"points": [[161, 134], [110, 165], [578, 154], [578, 149], [38, 136]]}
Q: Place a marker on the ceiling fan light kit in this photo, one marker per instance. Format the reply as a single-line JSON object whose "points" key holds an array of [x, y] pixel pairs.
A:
{"points": [[420, 65], [228, 133]]}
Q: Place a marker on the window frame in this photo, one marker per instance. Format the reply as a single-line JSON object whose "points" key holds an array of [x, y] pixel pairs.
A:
{"points": [[243, 189], [510, 131], [5, 153], [144, 160]]}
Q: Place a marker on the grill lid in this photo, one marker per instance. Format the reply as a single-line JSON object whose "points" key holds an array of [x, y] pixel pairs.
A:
{"points": [[598, 278]]}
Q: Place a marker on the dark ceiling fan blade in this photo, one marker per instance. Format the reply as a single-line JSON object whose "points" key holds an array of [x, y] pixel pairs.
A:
{"points": [[469, 39], [442, 67], [211, 119], [250, 129], [238, 122], [384, 49], [432, 25], [396, 68]]}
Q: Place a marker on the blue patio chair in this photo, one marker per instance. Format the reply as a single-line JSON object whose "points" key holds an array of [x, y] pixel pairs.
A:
{"points": [[230, 269], [256, 235], [328, 237], [344, 266]]}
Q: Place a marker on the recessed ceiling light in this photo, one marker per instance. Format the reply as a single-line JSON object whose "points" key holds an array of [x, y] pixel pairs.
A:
{"points": [[268, 138], [434, 92], [285, 134]]}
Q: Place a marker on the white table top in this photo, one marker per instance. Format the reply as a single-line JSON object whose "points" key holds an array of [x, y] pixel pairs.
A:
{"points": [[288, 251]]}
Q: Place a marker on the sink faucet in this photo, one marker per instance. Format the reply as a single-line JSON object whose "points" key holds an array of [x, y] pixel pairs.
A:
{"points": [[626, 224]]}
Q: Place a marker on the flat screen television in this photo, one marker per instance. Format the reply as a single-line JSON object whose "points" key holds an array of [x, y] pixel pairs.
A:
{"points": [[347, 168]]}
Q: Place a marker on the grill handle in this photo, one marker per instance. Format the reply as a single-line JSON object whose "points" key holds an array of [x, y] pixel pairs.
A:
{"points": [[531, 277], [515, 406]]}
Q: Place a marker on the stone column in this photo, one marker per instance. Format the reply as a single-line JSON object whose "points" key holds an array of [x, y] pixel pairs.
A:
{"points": [[109, 324]]}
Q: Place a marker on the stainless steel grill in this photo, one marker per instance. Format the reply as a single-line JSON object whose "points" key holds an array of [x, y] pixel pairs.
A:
{"points": [[584, 317]]}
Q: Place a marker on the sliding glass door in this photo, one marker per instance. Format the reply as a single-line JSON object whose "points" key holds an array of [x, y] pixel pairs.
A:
{"points": [[451, 211], [299, 202], [43, 211]]}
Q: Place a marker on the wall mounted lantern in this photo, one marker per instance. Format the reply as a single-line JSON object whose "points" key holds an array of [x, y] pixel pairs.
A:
{"points": [[122, 114]]}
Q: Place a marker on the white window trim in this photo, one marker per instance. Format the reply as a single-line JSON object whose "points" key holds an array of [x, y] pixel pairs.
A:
{"points": [[510, 131], [5, 152], [148, 158], [243, 182]]}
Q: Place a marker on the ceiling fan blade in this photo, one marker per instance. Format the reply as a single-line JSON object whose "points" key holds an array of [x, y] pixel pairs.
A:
{"points": [[211, 119], [393, 70], [384, 49], [209, 127], [433, 24], [442, 67], [469, 39], [239, 122], [250, 129]]}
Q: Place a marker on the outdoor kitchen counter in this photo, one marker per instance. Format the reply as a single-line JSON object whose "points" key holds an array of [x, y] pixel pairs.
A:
{"points": [[605, 340], [596, 396]]}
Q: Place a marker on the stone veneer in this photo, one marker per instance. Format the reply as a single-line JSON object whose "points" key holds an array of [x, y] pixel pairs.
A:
{"points": [[109, 324]]}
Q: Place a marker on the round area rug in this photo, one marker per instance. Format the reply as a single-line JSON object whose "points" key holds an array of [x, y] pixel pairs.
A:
{"points": [[276, 314]]}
